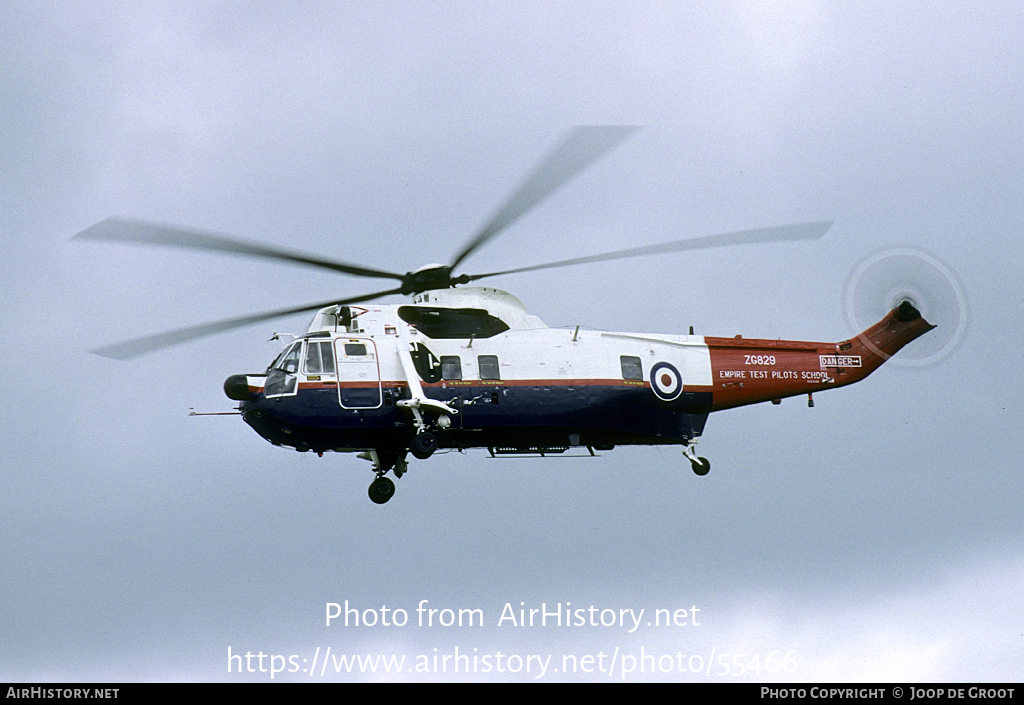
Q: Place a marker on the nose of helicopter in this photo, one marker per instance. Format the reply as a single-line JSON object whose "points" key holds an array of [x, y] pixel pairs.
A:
{"points": [[237, 388]]}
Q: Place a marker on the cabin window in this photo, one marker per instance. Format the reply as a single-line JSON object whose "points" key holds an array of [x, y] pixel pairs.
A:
{"points": [[631, 367], [451, 367], [488, 367], [319, 358], [355, 349]]}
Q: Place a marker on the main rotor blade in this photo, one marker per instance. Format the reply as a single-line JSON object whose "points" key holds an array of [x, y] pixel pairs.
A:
{"points": [[123, 230], [582, 147], [140, 346], [799, 231]]}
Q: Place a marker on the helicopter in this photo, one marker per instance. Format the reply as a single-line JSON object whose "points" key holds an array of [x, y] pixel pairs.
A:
{"points": [[461, 367]]}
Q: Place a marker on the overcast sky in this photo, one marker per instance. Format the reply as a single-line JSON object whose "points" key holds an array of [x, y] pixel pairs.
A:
{"points": [[876, 536]]}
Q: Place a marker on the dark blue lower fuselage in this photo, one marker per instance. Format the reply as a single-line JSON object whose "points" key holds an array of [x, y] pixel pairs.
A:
{"points": [[521, 416]]}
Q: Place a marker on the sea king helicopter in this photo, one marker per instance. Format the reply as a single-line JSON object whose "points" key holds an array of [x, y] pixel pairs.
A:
{"points": [[459, 367]]}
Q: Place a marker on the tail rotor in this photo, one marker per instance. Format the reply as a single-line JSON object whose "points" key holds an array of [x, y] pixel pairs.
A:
{"points": [[898, 276]]}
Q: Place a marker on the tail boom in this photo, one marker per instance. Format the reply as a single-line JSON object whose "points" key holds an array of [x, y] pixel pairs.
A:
{"points": [[750, 371]]}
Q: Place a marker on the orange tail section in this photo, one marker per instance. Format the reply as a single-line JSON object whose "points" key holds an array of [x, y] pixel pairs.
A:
{"points": [[881, 341], [747, 371]]}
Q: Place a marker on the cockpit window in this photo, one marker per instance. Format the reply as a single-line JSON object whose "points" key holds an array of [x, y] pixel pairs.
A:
{"points": [[288, 360], [281, 379], [319, 358]]}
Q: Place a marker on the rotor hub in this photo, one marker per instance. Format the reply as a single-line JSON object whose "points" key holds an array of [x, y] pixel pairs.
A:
{"points": [[431, 276]]}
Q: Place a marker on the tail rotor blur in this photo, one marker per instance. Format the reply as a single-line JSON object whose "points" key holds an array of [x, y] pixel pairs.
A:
{"points": [[890, 277]]}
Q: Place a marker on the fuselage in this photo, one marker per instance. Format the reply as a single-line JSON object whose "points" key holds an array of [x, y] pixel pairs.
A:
{"points": [[512, 384]]}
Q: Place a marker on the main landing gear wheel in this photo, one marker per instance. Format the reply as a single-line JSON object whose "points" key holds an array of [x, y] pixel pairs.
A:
{"points": [[381, 490], [701, 466], [424, 445]]}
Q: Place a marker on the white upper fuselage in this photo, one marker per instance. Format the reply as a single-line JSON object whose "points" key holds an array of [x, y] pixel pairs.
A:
{"points": [[527, 350]]}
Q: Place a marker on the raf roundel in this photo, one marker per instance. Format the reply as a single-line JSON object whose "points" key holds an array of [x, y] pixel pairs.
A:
{"points": [[666, 381]]}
